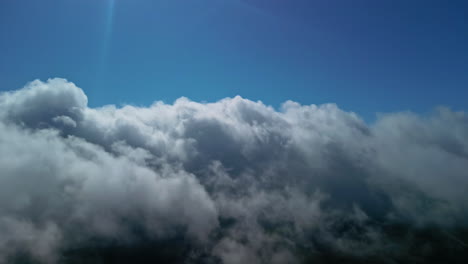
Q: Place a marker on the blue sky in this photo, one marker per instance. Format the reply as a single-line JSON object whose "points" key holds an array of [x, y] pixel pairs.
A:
{"points": [[366, 56]]}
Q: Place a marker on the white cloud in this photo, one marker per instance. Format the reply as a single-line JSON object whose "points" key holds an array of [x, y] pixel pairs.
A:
{"points": [[238, 179]]}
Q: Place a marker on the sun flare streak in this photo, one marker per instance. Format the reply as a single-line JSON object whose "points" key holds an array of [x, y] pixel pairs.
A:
{"points": [[109, 17]]}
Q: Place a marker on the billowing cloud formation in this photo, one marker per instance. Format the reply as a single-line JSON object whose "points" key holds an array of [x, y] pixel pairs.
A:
{"points": [[233, 181]]}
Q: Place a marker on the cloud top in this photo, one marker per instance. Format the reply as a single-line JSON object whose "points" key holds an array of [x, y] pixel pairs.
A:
{"points": [[234, 181]]}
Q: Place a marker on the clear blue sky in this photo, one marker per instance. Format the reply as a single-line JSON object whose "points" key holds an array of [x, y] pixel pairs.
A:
{"points": [[366, 56]]}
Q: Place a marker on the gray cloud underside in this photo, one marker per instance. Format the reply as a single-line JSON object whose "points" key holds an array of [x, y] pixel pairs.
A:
{"points": [[235, 180]]}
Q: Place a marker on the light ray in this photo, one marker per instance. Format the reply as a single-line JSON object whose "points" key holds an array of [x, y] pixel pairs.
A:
{"points": [[109, 18]]}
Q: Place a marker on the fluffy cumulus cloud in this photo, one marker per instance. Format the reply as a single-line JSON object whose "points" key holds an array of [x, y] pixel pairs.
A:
{"points": [[233, 181]]}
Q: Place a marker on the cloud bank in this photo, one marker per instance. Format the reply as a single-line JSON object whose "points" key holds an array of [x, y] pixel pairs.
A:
{"points": [[233, 181]]}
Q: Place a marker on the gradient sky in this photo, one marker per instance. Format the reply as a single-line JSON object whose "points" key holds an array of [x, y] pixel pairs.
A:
{"points": [[366, 56]]}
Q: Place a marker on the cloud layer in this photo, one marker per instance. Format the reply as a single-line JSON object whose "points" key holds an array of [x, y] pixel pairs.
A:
{"points": [[233, 181]]}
